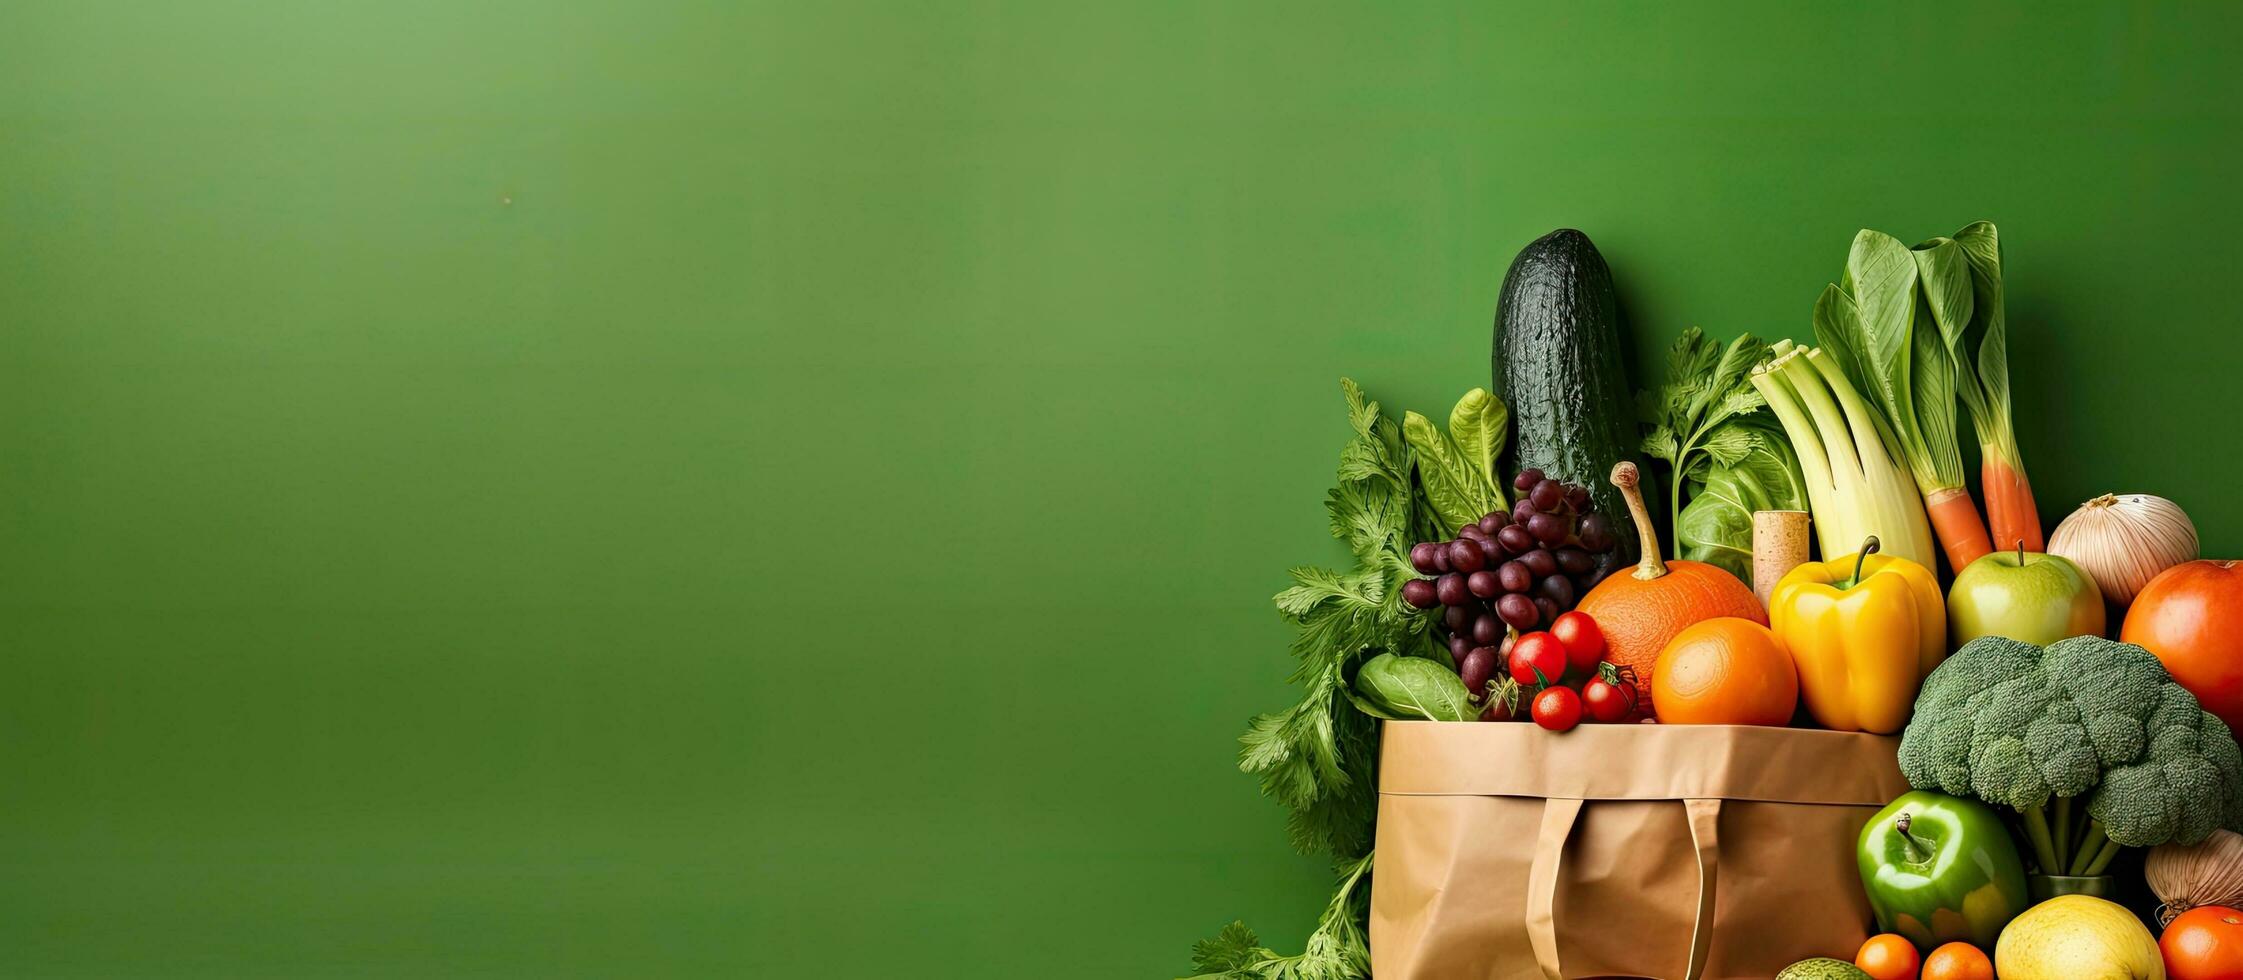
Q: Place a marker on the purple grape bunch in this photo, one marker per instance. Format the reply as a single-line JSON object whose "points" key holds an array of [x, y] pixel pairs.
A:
{"points": [[1518, 568]]}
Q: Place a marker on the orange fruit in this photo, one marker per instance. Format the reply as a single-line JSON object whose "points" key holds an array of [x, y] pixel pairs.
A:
{"points": [[1725, 671], [1888, 957], [1958, 961]]}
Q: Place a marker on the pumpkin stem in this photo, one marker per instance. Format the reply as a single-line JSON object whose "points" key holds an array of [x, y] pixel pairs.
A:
{"points": [[1625, 476]]}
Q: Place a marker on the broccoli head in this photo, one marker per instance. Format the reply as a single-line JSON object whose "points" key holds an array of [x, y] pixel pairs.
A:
{"points": [[2018, 725]]}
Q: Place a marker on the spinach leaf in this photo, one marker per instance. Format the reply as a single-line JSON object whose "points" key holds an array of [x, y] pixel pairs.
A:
{"points": [[1457, 468], [1716, 528], [1414, 687]]}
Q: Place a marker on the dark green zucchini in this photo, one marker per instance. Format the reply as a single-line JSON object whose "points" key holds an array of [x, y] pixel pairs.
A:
{"points": [[1558, 365]]}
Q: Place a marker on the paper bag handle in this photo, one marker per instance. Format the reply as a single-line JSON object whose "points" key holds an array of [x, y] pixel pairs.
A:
{"points": [[1558, 816], [1542, 883], [1705, 836]]}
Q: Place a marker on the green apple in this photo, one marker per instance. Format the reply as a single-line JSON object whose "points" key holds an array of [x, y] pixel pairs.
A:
{"points": [[2029, 596]]}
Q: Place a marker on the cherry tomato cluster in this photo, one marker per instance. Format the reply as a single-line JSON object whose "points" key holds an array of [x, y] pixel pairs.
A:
{"points": [[1560, 675]]}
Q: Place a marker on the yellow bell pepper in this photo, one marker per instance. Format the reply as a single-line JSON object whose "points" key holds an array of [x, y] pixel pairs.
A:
{"points": [[1864, 630]]}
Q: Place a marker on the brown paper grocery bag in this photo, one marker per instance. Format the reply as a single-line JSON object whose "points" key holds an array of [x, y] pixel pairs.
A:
{"points": [[1677, 852]]}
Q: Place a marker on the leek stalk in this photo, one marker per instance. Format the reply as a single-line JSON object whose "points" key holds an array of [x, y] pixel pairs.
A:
{"points": [[1856, 487]]}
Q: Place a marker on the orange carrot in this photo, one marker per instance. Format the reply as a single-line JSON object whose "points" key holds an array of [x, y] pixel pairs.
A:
{"points": [[1954, 518], [2009, 504]]}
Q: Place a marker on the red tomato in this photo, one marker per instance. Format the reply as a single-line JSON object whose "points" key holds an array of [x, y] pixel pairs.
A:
{"points": [[2205, 943], [1557, 709], [2191, 616], [1608, 701], [1584, 642], [1537, 654]]}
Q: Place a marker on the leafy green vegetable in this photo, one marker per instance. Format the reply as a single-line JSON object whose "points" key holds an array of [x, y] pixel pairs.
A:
{"points": [[1318, 756], [1716, 527], [1985, 391], [1337, 950], [1457, 468], [1414, 687], [1984, 387], [1708, 427], [1868, 322], [1373, 507]]}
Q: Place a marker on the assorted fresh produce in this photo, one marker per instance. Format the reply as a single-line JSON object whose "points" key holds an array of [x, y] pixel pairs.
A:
{"points": [[1869, 322], [1506, 567], [1640, 611], [1707, 425]]}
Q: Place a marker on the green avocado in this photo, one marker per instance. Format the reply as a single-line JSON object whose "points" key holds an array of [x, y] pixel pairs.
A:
{"points": [[1822, 968], [1558, 362]]}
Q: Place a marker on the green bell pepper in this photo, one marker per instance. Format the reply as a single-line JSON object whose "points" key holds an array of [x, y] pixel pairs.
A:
{"points": [[1941, 868]]}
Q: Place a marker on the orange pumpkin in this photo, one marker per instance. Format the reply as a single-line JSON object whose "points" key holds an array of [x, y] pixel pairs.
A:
{"points": [[1640, 611]]}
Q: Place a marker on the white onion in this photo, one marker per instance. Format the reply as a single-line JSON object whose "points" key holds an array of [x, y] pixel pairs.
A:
{"points": [[2123, 540], [2184, 877]]}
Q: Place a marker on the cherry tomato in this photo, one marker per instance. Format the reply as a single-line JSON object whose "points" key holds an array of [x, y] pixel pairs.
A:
{"points": [[1584, 641], [2205, 943], [1557, 709], [1888, 957], [1538, 658], [1609, 700]]}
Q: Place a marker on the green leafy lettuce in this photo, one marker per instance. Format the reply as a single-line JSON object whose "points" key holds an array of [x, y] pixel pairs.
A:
{"points": [[1456, 469], [1707, 425], [1716, 526]]}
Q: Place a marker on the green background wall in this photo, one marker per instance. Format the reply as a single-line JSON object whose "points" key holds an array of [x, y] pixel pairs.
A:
{"points": [[663, 488]]}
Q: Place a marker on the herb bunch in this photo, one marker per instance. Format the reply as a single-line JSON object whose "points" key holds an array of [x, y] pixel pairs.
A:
{"points": [[1319, 757]]}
